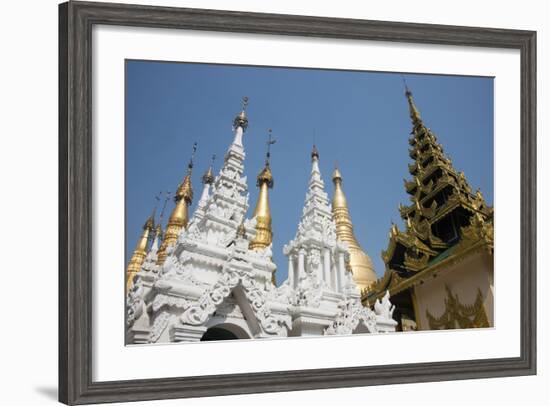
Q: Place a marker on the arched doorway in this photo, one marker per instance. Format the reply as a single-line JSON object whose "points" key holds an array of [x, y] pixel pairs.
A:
{"points": [[225, 331], [218, 333]]}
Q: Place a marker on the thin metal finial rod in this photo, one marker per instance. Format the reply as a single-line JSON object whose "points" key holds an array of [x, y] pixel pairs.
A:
{"points": [[191, 161], [245, 103], [407, 91], [157, 200], [167, 197], [270, 142]]}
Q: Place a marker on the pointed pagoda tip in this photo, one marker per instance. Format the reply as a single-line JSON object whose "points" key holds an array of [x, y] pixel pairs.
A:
{"points": [[241, 120], [265, 176], [413, 110], [407, 91], [336, 175], [150, 223], [314, 153], [208, 177]]}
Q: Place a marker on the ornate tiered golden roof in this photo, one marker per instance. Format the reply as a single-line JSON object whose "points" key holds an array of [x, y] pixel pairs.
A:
{"points": [[140, 252], [180, 215], [359, 263], [443, 220]]}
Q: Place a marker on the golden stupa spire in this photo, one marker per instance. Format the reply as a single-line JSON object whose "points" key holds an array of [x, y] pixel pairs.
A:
{"points": [[360, 263], [262, 213], [140, 252], [180, 215]]}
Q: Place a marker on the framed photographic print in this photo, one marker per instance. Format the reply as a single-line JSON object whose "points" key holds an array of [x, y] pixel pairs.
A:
{"points": [[259, 202]]}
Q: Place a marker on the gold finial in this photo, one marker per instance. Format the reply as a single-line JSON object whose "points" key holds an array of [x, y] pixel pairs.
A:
{"points": [[394, 229], [150, 223], [361, 265], [185, 190], [479, 195], [241, 120], [180, 215], [409, 223], [262, 212], [208, 177]]}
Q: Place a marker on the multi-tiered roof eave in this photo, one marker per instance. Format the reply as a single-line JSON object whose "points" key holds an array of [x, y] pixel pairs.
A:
{"points": [[444, 219]]}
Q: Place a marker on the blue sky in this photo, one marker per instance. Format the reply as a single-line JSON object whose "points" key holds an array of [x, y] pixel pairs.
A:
{"points": [[359, 120]]}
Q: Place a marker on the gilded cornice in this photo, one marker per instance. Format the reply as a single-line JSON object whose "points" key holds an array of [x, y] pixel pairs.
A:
{"points": [[405, 239], [477, 237]]}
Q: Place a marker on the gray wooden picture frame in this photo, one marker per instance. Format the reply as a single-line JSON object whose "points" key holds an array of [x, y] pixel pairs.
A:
{"points": [[76, 20]]}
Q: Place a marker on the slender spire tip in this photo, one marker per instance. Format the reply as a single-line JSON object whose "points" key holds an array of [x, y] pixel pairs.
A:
{"points": [[270, 142], [241, 120], [314, 152], [191, 163]]}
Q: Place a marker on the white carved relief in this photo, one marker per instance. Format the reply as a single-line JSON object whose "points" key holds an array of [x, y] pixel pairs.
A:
{"points": [[209, 262], [162, 301], [135, 304], [160, 323], [308, 293], [350, 313], [384, 308]]}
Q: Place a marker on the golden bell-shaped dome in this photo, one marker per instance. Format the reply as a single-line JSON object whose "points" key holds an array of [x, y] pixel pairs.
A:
{"points": [[360, 263]]}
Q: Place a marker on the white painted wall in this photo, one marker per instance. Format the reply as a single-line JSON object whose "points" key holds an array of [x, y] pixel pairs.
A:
{"points": [[28, 168]]}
